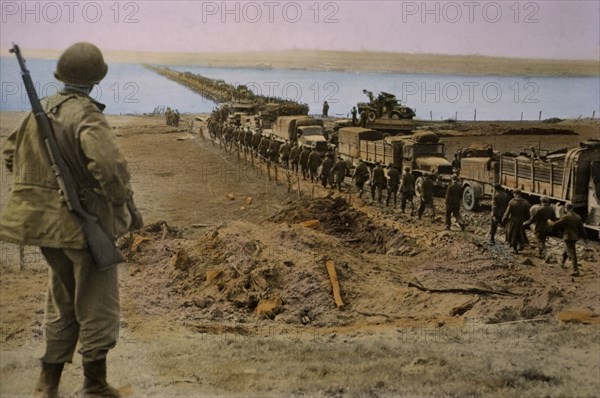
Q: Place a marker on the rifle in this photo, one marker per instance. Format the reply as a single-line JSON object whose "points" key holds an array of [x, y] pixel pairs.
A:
{"points": [[102, 248]]}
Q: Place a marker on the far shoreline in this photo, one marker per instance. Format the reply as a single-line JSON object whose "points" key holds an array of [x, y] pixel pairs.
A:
{"points": [[356, 61]]}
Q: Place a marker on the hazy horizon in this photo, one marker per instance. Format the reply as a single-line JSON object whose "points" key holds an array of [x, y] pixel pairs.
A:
{"points": [[554, 30], [52, 52]]}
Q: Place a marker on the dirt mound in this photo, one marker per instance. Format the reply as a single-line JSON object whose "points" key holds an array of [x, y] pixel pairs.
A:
{"points": [[538, 131], [351, 226], [242, 270]]}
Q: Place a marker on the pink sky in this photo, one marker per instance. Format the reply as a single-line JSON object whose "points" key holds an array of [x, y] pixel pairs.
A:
{"points": [[538, 29]]}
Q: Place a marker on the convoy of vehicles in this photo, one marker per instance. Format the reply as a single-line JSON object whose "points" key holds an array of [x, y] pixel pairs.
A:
{"points": [[564, 176]]}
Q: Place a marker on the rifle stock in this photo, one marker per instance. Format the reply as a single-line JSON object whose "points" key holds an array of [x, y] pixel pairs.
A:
{"points": [[101, 247]]}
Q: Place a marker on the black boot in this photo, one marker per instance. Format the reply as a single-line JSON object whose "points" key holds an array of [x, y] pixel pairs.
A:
{"points": [[94, 383], [47, 385]]}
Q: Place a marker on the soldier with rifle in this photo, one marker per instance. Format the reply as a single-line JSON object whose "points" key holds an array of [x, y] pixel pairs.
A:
{"points": [[78, 203]]}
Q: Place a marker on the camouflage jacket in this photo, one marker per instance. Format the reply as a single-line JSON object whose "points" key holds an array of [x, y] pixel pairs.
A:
{"points": [[35, 213]]}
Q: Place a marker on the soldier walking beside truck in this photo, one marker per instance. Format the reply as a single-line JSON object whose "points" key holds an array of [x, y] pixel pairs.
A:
{"points": [[339, 170], [304, 161], [377, 183], [427, 196], [573, 230], [393, 184], [295, 157], [515, 215], [314, 161], [540, 221], [499, 205], [407, 190], [361, 175], [326, 167], [452, 200]]}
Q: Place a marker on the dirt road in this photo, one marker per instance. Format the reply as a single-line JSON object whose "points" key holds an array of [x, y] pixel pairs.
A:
{"points": [[230, 296]]}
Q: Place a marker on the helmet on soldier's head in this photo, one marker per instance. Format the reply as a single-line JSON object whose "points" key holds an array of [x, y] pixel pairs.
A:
{"points": [[545, 199], [82, 64]]}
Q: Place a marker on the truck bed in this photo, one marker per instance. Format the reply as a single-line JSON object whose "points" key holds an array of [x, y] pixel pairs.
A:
{"points": [[379, 151], [533, 176]]}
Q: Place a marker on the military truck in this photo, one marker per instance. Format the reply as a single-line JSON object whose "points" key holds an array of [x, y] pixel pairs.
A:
{"points": [[302, 129], [423, 153], [385, 105], [567, 176], [241, 112]]}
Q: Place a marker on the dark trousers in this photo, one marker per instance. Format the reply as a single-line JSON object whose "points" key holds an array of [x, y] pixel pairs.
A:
{"points": [[379, 189], [392, 192], [494, 227], [570, 251], [425, 204], [408, 196], [453, 211]]}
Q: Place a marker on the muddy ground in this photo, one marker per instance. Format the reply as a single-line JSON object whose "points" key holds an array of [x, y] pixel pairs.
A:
{"points": [[226, 292]]}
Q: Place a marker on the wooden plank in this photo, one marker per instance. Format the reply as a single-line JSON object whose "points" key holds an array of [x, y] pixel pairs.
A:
{"points": [[334, 284]]}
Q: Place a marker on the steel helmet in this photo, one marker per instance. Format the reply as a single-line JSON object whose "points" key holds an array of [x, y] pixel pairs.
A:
{"points": [[82, 63]]}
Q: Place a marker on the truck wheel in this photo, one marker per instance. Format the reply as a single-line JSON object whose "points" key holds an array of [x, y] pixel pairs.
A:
{"points": [[470, 202], [395, 116], [371, 116]]}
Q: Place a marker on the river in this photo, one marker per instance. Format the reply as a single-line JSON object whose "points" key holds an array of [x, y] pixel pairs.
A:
{"points": [[132, 89]]}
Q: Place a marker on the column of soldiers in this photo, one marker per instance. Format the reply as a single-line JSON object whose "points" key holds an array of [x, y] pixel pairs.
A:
{"points": [[516, 214], [329, 171]]}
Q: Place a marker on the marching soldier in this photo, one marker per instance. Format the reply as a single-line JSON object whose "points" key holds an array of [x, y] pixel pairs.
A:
{"points": [[361, 175], [274, 150], [541, 223], [452, 200], [284, 153], [573, 230], [326, 167], [407, 190], [393, 184], [304, 161], [339, 170], [377, 182], [263, 147], [515, 215], [314, 161], [295, 157], [499, 205], [427, 196]]}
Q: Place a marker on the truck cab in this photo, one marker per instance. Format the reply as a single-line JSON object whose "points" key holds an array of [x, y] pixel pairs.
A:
{"points": [[312, 136]]}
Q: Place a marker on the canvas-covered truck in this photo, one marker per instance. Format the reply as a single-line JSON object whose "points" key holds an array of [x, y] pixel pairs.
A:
{"points": [[422, 153], [302, 129], [568, 176]]}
